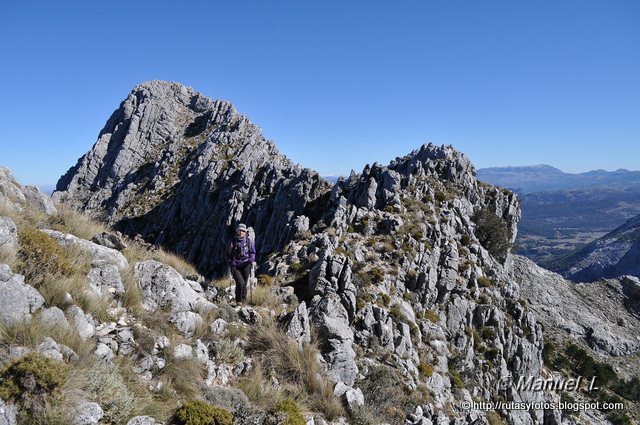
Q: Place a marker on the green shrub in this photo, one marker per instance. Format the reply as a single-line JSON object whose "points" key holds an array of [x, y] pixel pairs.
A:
{"points": [[484, 282], [265, 280], [295, 267], [397, 314], [465, 240], [493, 232], [31, 377], [377, 275], [432, 315], [492, 353], [290, 408], [387, 398], [425, 369], [487, 332], [455, 378], [41, 255], [385, 299], [202, 413]]}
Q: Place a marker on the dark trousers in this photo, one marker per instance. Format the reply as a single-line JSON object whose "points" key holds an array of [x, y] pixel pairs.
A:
{"points": [[241, 276]]}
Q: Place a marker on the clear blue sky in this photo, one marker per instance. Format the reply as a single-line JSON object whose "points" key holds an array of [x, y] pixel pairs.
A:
{"points": [[336, 84]]}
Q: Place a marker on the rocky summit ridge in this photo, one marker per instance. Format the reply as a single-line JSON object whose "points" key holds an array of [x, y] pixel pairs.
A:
{"points": [[181, 169], [400, 276]]}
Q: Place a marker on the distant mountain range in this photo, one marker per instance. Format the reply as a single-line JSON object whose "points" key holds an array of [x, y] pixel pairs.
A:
{"points": [[615, 254], [554, 224], [542, 178]]}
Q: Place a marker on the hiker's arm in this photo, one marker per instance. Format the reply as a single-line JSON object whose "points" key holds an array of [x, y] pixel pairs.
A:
{"points": [[227, 253]]}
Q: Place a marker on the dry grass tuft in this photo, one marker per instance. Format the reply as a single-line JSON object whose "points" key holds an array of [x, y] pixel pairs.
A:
{"points": [[40, 256], [296, 367], [227, 351], [116, 388], [182, 266], [132, 298], [263, 296], [259, 389], [76, 223], [30, 333], [185, 376]]}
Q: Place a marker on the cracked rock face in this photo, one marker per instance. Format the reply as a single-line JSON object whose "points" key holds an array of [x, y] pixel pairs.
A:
{"points": [[182, 170], [590, 312]]}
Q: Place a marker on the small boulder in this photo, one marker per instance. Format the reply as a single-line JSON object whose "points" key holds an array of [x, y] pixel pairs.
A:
{"points": [[110, 240], [8, 412], [297, 325], [54, 317], [19, 300], [182, 351], [83, 322], [101, 254], [8, 233], [104, 352], [249, 316], [142, 420], [88, 413], [104, 280]]}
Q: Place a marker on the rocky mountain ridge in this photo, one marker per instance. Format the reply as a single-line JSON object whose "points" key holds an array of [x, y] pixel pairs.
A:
{"points": [[399, 276], [181, 169]]}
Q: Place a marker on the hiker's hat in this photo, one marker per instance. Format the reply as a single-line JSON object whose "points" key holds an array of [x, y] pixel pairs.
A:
{"points": [[241, 227]]}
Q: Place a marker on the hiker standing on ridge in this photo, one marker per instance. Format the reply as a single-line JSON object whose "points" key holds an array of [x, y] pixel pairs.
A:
{"points": [[241, 254]]}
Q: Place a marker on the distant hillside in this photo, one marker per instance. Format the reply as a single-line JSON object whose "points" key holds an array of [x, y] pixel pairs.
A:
{"points": [[555, 224], [613, 255], [541, 178]]}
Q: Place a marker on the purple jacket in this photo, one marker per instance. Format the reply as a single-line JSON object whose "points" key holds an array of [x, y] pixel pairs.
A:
{"points": [[240, 252]]}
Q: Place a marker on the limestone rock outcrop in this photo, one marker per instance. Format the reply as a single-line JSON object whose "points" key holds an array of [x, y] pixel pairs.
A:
{"points": [[181, 170]]}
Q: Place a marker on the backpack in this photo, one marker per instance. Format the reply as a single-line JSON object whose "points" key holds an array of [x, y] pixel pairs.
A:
{"points": [[240, 249]]}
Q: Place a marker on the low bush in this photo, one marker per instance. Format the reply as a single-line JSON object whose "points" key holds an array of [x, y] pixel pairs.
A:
{"points": [[425, 369], [41, 255], [30, 382], [291, 410], [432, 315], [227, 351], [493, 232], [265, 280], [31, 375], [456, 380], [386, 398], [116, 388], [484, 282], [199, 412]]}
